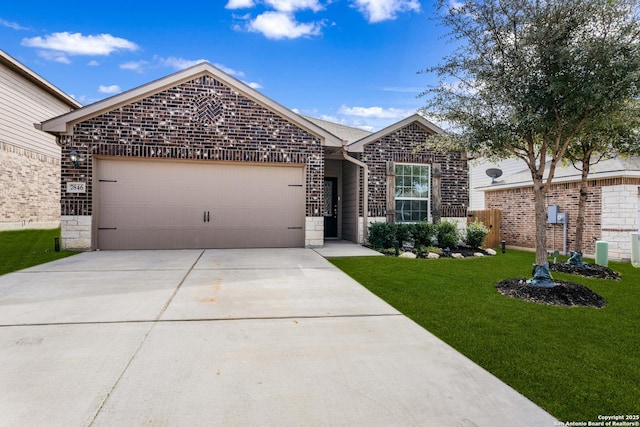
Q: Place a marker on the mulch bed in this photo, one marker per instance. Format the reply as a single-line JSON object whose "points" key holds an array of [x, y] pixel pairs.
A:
{"points": [[564, 293], [593, 271]]}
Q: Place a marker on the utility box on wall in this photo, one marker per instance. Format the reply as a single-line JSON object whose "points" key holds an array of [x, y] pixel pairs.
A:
{"points": [[552, 214], [561, 218]]}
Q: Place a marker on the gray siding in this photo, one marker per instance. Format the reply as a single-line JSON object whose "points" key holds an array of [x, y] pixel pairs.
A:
{"points": [[350, 201], [22, 104]]}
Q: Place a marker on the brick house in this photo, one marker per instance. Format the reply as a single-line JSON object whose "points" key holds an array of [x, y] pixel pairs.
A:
{"points": [[612, 208], [199, 159], [29, 159]]}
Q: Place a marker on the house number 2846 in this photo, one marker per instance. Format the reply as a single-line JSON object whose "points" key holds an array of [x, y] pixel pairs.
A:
{"points": [[76, 187]]}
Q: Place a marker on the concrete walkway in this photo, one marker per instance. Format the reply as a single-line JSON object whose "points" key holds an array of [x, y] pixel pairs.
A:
{"points": [[228, 338]]}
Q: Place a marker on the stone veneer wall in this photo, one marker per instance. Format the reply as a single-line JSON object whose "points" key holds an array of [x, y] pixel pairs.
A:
{"points": [[29, 189], [201, 119], [314, 232], [399, 147], [603, 217], [620, 217], [76, 233]]}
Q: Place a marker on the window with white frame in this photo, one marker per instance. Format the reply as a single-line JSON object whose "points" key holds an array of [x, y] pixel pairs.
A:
{"points": [[413, 184]]}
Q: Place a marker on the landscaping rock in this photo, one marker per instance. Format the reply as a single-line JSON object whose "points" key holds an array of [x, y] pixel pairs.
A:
{"points": [[564, 293], [490, 252], [407, 255], [478, 254], [432, 255], [457, 255]]}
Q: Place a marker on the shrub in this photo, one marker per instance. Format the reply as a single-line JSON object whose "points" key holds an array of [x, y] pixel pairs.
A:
{"points": [[448, 234], [382, 235], [423, 233], [404, 233], [476, 233]]}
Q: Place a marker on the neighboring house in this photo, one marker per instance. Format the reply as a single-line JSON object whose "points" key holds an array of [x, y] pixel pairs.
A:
{"points": [[612, 210], [29, 159], [479, 179], [199, 159]]}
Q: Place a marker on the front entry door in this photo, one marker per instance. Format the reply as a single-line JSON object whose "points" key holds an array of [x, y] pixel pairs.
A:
{"points": [[330, 207]]}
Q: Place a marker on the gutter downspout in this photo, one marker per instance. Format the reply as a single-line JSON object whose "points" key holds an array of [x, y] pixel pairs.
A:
{"points": [[365, 192]]}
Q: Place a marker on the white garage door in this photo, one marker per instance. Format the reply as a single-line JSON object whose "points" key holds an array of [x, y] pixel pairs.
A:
{"points": [[180, 205]]}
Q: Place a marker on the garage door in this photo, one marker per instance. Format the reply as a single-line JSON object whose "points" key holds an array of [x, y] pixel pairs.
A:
{"points": [[181, 205]]}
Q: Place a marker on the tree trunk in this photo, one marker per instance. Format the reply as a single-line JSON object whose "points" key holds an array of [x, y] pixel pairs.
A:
{"points": [[539, 193], [582, 203]]}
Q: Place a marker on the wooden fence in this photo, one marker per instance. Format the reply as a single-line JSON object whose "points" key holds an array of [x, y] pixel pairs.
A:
{"points": [[491, 219]]}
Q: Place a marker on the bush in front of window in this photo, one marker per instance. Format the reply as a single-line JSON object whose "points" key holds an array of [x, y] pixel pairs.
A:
{"points": [[404, 233], [476, 233], [424, 233], [382, 235], [448, 234]]}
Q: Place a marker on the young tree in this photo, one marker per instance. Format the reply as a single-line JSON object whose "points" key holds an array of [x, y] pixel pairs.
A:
{"points": [[619, 135], [528, 76]]}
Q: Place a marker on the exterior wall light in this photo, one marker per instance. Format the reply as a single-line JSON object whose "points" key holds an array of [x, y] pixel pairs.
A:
{"points": [[75, 159]]}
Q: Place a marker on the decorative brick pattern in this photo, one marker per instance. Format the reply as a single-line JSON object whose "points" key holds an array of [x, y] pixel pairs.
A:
{"points": [[29, 188], [400, 147], [201, 119], [604, 219]]}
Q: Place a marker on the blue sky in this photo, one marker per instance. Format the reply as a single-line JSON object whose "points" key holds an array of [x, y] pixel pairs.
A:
{"points": [[350, 61]]}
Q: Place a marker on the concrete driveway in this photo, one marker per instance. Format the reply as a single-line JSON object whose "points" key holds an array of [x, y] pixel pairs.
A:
{"points": [[268, 337]]}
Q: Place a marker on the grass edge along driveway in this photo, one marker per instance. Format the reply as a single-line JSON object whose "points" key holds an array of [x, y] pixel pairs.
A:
{"points": [[21, 249], [576, 363]]}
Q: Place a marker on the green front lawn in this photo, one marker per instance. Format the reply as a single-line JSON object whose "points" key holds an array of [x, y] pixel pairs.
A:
{"points": [[576, 363], [26, 248]]}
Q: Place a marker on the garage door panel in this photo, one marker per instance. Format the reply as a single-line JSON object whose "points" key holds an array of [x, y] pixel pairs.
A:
{"points": [[169, 205]]}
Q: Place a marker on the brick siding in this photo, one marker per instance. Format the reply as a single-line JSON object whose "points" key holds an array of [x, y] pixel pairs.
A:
{"points": [[518, 222], [201, 119], [400, 147], [29, 184]]}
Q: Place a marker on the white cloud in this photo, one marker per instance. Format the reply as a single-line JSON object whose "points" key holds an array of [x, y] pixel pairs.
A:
{"points": [[455, 4], [179, 63], [293, 5], [12, 25], [278, 25], [383, 10], [137, 66], [354, 123], [240, 4], [109, 89], [229, 71], [54, 56], [93, 63], [253, 85], [375, 112], [78, 44]]}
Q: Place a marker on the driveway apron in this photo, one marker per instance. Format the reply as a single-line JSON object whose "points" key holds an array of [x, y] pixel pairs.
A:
{"points": [[260, 337]]}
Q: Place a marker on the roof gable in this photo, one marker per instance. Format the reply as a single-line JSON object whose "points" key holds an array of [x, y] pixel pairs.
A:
{"points": [[64, 124], [358, 146]]}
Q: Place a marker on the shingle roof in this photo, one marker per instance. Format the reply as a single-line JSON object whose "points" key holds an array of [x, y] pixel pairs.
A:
{"points": [[610, 168], [346, 133]]}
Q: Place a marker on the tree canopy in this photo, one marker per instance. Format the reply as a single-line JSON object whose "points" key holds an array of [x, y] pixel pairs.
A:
{"points": [[529, 77]]}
